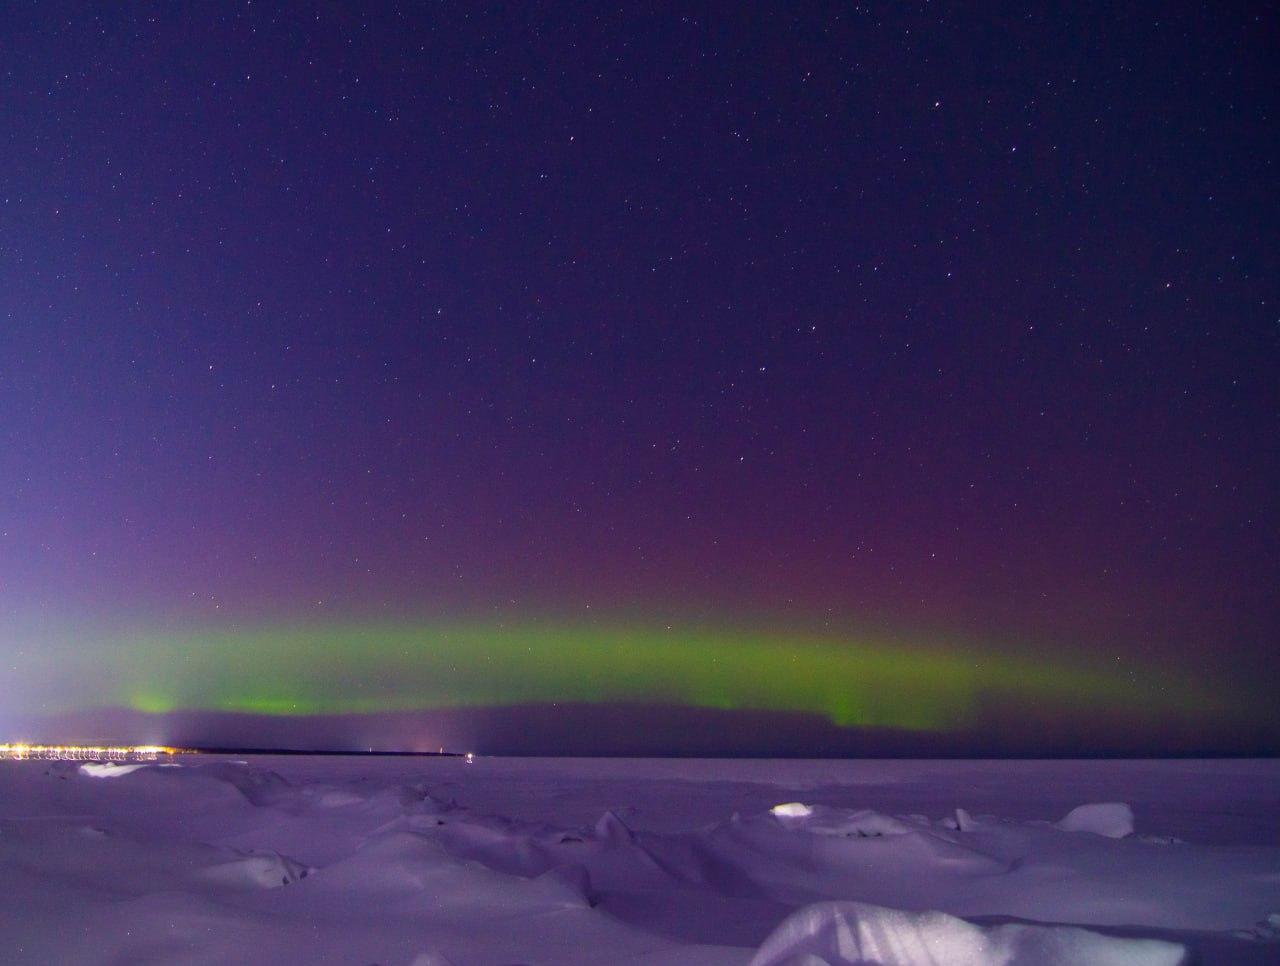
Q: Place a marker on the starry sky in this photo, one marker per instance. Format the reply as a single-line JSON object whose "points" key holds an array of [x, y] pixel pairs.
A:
{"points": [[818, 377]]}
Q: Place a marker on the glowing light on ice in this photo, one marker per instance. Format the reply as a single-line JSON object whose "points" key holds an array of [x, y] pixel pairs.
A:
{"points": [[109, 769]]}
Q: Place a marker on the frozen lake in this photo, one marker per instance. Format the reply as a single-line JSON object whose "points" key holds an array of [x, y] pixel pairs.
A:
{"points": [[431, 861]]}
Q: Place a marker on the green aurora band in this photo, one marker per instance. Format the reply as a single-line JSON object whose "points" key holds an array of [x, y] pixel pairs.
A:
{"points": [[365, 668]]}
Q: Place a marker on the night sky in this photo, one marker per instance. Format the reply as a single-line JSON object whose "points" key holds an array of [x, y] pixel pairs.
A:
{"points": [[814, 380]]}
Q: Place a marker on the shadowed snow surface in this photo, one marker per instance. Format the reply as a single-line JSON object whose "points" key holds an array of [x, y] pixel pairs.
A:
{"points": [[433, 862]]}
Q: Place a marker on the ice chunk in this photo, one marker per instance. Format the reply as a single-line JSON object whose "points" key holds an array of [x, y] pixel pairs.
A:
{"points": [[1112, 819], [860, 934], [1267, 930]]}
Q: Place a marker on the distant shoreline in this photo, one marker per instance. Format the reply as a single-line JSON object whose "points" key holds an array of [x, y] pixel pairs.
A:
{"points": [[674, 757]]}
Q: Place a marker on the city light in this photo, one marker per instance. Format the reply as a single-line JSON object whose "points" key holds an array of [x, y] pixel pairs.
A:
{"points": [[22, 750]]}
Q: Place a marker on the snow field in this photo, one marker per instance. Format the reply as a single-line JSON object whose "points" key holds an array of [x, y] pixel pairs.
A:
{"points": [[431, 862]]}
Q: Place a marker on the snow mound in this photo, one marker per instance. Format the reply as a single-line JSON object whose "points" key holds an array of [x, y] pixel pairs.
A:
{"points": [[1112, 819], [860, 934], [416, 798], [267, 871], [259, 786], [825, 820], [410, 872], [614, 830], [836, 853], [337, 798], [431, 959], [571, 881]]}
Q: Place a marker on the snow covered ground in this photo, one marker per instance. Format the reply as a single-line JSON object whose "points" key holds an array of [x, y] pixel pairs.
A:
{"points": [[422, 861]]}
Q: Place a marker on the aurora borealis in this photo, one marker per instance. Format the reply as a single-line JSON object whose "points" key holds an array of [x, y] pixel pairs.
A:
{"points": [[357, 670], [308, 670], [897, 372]]}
